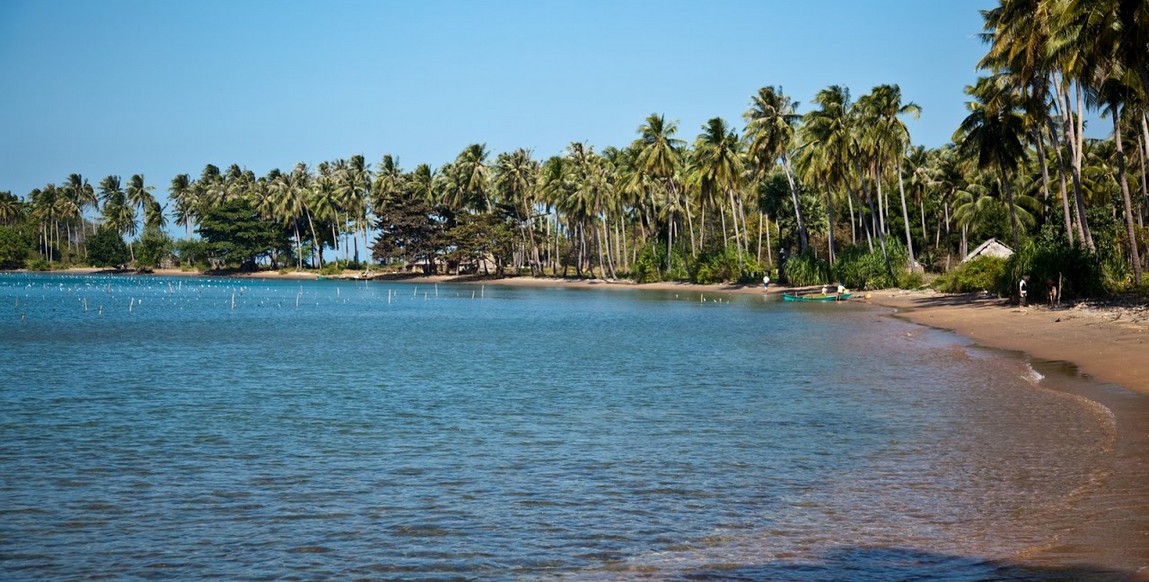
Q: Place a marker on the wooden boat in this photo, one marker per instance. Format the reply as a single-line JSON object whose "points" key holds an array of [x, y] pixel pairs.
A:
{"points": [[817, 297]]}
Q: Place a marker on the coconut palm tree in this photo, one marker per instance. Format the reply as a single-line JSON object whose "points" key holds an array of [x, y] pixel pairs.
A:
{"points": [[182, 193], [717, 169], [119, 213], [770, 128], [992, 132], [12, 209], [891, 138], [139, 194], [828, 141], [470, 180], [516, 181], [659, 156]]}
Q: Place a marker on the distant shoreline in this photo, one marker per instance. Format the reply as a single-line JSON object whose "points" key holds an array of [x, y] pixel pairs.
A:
{"points": [[1108, 344]]}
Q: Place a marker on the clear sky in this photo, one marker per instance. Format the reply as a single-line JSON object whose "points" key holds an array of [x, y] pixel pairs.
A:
{"points": [[162, 87]]}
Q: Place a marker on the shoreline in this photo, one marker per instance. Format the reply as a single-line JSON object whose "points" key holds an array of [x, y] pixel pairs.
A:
{"points": [[1108, 344]]}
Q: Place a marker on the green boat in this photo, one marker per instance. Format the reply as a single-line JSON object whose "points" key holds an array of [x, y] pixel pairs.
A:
{"points": [[817, 297]]}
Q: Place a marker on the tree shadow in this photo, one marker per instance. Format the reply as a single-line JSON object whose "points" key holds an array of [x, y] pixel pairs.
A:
{"points": [[882, 564]]}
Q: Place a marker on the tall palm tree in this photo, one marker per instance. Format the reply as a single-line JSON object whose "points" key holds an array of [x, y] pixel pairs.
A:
{"points": [[717, 169], [659, 156], [1113, 92], [355, 184], [827, 139], [119, 213], [892, 138], [12, 209], [471, 177], [516, 180], [770, 128], [993, 133], [139, 194], [182, 193], [82, 195]]}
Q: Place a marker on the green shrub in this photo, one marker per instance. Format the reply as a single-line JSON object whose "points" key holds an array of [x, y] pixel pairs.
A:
{"points": [[860, 268], [106, 248], [13, 249], [980, 274], [39, 264], [805, 269], [1078, 272]]}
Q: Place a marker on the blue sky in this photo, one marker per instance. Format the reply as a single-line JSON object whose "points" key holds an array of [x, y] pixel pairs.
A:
{"points": [[162, 87]]}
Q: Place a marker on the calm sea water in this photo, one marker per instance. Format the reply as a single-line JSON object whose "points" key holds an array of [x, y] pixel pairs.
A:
{"points": [[244, 429]]}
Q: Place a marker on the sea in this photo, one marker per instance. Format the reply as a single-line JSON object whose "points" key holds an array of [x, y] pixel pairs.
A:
{"points": [[175, 428]]}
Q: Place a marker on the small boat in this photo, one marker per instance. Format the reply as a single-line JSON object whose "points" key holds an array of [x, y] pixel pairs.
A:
{"points": [[817, 297]]}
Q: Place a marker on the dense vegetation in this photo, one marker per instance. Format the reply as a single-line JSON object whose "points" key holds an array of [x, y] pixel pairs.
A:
{"points": [[836, 193]]}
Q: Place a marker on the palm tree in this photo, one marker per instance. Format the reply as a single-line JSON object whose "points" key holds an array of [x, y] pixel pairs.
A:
{"points": [[182, 193], [1113, 92], [891, 138], [139, 195], [827, 144], [471, 177], [770, 128], [119, 213], [12, 209], [992, 132], [516, 180], [660, 157], [717, 168], [82, 196], [355, 185]]}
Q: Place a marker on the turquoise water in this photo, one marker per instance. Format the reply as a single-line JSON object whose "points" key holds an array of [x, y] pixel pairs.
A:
{"points": [[245, 429]]}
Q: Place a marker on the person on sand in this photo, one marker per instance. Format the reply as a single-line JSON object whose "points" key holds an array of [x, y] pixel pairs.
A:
{"points": [[765, 282], [1051, 289], [1021, 289]]}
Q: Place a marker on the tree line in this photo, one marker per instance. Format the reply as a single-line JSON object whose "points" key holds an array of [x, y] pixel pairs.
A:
{"points": [[836, 192]]}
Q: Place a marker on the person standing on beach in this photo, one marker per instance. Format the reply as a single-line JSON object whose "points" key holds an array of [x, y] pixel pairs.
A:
{"points": [[1021, 289], [765, 282]]}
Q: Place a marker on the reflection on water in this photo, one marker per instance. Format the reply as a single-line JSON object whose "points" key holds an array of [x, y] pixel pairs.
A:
{"points": [[240, 429]]}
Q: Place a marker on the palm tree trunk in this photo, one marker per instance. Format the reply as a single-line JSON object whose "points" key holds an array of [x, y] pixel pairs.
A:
{"points": [[1134, 254], [315, 239], [830, 224], [761, 219], [1005, 185], [853, 222], [922, 213], [881, 226], [803, 235], [905, 214], [1144, 154], [1144, 178], [1064, 192], [734, 219], [609, 261], [882, 236], [1079, 154], [1075, 166]]}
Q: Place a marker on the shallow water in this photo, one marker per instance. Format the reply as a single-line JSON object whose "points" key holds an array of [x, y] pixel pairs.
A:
{"points": [[242, 429]]}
